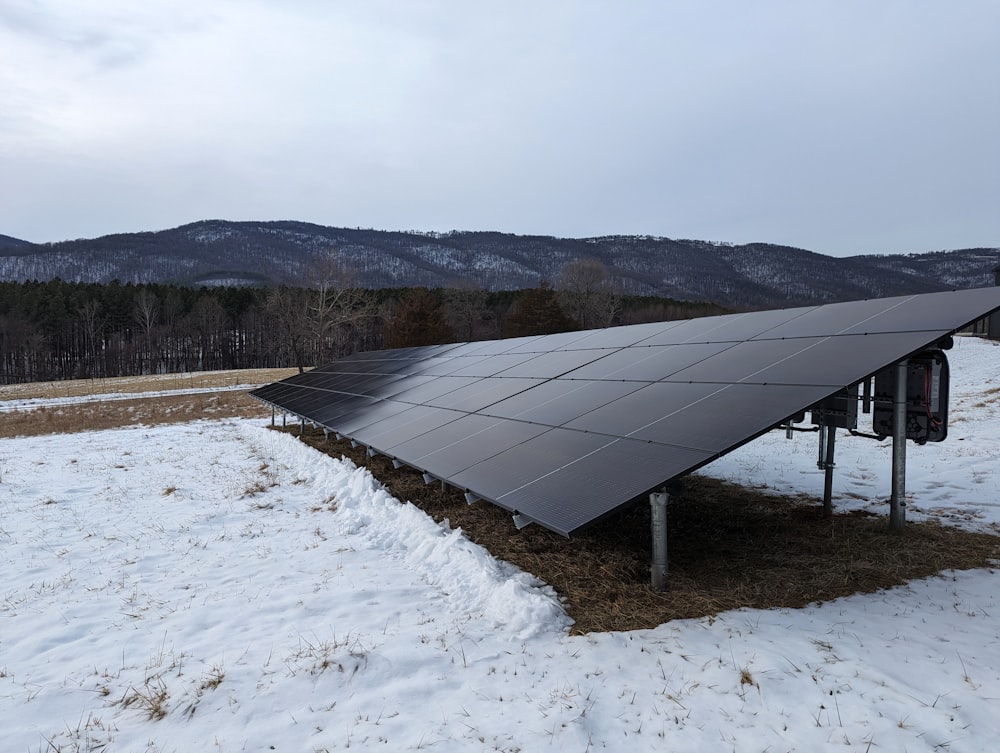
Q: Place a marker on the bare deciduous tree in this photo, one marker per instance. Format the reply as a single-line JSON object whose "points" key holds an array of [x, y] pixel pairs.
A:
{"points": [[337, 309], [328, 316], [469, 314], [587, 293], [92, 325], [288, 309], [146, 312]]}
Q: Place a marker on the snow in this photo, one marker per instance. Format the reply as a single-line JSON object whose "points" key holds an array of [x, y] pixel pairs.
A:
{"points": [[218, 586]]}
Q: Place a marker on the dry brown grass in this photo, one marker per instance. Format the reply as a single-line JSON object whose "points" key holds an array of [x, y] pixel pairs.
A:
{"points": [[167, 409], [193, 380], [147, 410], [729, 548]]}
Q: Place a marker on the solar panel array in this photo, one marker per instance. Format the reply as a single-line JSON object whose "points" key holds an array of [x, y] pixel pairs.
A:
{"points": [[565, 429]]}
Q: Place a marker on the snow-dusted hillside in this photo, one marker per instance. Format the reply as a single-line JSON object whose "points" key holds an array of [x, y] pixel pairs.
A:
{"points": [[753, 275]]}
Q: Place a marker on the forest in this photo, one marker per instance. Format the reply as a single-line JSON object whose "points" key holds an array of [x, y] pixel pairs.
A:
{"points": [[60, 330]]}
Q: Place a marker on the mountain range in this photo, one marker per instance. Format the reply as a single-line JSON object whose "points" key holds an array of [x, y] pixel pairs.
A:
{"points": [[755, 275]]}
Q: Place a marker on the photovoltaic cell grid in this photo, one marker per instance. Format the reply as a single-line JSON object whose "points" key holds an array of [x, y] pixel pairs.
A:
{"points": [[564, 430]]}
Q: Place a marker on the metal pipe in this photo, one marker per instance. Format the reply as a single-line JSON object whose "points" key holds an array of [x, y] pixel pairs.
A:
{"points": [[821, 457], [829, 465], [897, 503], [659, 568]]}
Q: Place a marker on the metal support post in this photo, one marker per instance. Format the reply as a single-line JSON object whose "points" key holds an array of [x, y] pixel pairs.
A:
{"points": [[302, 426], [658, 571], [272, 415], [284, 419], [897, 503], [821, 458], [828, 466]]}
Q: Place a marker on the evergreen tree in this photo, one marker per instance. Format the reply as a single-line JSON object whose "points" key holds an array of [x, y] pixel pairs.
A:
{"points": [[537, 312], [418, 319]]}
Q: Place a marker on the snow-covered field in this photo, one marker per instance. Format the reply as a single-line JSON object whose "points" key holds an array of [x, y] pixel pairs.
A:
{"points": [[215, 586]]}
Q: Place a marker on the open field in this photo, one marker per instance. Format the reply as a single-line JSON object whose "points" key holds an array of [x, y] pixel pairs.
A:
{"points": [[175, 584], [730, 547], [216, 585], [85, 405], [196, 380]]}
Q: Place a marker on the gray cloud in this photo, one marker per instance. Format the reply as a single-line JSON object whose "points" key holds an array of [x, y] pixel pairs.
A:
{"points": [[843, 127]]}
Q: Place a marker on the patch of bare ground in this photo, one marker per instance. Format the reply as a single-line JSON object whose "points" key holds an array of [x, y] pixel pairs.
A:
{"points": [[729, 548], [149, 411], [148, 383], [214, 402]]}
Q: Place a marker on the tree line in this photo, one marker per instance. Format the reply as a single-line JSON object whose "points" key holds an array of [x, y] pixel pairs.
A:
{"points": [[61, 330]]}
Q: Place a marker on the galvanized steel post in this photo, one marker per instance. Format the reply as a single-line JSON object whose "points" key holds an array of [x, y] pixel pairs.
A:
{"points": [[658, 505], [897, 503], [828, 466]]}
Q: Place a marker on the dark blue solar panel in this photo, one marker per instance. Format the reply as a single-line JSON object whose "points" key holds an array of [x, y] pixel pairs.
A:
{"points": [[566, 429], [433, 389], [483, 393], [648, 363], [544, 500], [555, 402], [557, 363], [391, 429], [745, 360], [621, 337]]}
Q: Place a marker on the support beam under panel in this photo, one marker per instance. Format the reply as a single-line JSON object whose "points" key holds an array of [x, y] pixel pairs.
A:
{"points": [[897, 503], [659, 568], [828, 466]]}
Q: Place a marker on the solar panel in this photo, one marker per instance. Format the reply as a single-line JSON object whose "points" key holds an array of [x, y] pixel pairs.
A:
{"points": [[565, 429]]}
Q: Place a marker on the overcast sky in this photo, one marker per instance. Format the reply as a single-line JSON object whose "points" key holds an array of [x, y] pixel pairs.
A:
{"points": [[840, 126]]}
